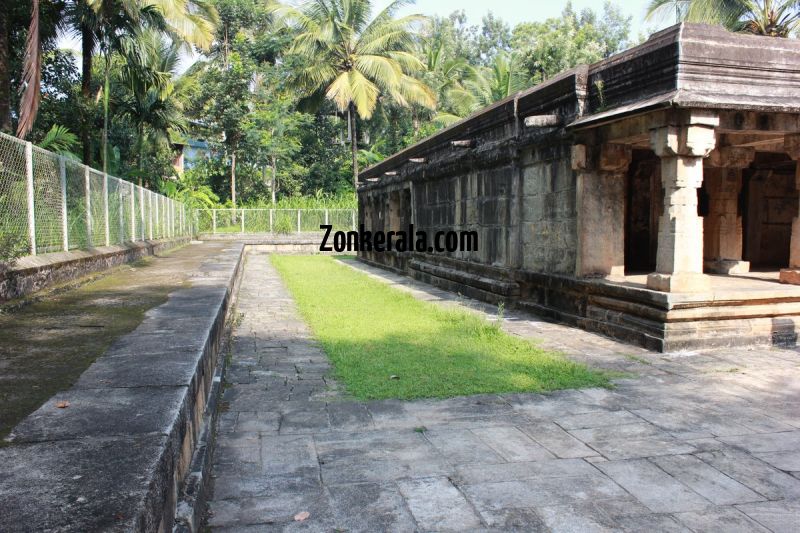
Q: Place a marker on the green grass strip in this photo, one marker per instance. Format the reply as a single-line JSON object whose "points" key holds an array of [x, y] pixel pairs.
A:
{"points": [[372, 332]]}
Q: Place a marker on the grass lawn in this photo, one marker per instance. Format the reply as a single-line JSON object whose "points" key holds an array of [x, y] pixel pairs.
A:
{"points": [[372, 332]]}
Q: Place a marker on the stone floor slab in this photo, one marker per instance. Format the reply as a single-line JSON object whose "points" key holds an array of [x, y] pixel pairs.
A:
{"points": [[656, 489], [705, 480], [437, 505]]}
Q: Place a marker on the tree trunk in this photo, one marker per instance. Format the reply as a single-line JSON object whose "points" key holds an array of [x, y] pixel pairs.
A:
{"points": [[106, 87], [87, 44], [5, 76], [233, 179], [141, 154], [274, 178], [351, 115]]}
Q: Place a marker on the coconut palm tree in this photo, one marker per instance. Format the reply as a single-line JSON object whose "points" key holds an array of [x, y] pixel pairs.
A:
{"points": [[773, 18], [351, 60]]}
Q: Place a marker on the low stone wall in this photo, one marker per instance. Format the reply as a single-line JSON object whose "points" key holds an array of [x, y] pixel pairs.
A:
{"points": [[116, 458], [301, 243], [34, 273]]}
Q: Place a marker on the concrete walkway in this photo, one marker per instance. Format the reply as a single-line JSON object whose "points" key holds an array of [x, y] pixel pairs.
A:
{"points": [[689, 442]]}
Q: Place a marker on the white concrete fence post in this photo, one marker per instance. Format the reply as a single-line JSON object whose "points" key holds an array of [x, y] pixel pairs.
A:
{"points": [[298, 221], [105, 209], [242, 220], [121, 210], [141, 212], [353, 215], [271, 211], [30, 196], [156, 219], [62, 172], [326, 217], [133, 213], [149, 216], [87, 191], [214, 221]]}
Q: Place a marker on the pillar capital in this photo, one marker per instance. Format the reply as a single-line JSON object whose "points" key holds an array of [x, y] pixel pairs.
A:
{"points": [[791, 144], [693, 140], [731, 157], [614, 157], [580, 159], [610, 158]]}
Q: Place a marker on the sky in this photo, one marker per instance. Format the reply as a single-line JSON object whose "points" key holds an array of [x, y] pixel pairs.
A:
{"points": [[512, 11], [516, 11]]}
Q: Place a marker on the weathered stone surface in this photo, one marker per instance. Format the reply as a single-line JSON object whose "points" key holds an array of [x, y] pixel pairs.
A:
{"points": [[34, 273], [437, 505], [493, 462], [653, 487], [705, 480], [128, 433], [722, 519], [116, 483], [561, 212]]}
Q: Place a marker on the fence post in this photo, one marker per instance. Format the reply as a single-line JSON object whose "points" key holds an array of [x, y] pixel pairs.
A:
{"points": [[121, 213], [242, 220], [353, 216], [298, 221], [141, 212], [213, 221], [133, 213], [157, 217], [326, 217], [29, 181], [87, 190], [105, 208], [150, 214], [270, 220], [62, 171]]}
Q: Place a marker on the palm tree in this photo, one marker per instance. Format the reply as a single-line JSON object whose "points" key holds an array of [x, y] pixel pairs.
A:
{"points": [[352, 60], [106, 23], [773, 18], [483, 86], [153, 101]]}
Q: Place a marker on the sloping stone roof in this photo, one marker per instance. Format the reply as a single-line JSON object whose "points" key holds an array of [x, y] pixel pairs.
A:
{"points": [[686, 65]]}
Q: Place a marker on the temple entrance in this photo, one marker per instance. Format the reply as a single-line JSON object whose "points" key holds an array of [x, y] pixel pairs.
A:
{"points": [[644, 198], [770, 201]]}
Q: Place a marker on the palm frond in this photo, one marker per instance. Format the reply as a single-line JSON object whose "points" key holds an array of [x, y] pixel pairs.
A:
{"points": [[31, 76], [60, 140]]}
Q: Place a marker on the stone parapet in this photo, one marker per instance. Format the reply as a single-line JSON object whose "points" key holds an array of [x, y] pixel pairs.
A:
{"points": [[34, 273], [116, 458]]}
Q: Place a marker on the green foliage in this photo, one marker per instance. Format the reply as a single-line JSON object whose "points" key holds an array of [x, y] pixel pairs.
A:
{"points": [[549, 47], [285, 225], [250, 93], [12, 246], [449, 353], [60, 140], [773, 18]]}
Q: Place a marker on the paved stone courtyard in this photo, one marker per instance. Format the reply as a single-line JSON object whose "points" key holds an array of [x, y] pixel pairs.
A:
{"points": [[686, 442]]}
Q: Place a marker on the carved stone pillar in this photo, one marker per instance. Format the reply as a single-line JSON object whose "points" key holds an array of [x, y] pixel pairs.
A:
{"points": [[791, 275], [679, 260], [601, 209], [722, 226]]}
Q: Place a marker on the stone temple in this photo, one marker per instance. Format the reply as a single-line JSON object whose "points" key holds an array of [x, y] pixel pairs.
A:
{"points": [[652, 196]]}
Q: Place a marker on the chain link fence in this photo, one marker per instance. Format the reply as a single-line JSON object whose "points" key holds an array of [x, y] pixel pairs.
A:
{"points": [[49, 203], [281, 221]]}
